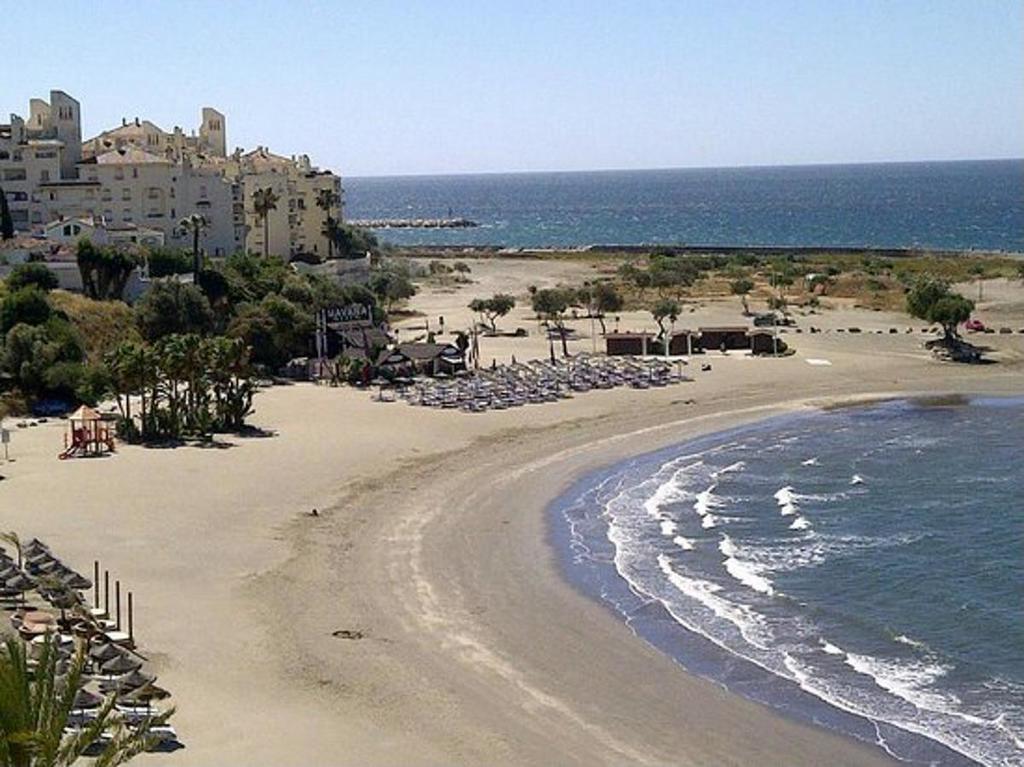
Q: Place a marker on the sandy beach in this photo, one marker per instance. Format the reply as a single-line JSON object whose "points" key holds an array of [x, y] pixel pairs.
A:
{"points": [[421, 618]]}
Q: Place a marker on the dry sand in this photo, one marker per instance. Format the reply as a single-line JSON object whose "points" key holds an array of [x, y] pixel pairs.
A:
{"points": [[432, 547]]}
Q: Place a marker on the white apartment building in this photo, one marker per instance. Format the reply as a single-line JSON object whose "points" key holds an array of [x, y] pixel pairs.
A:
{"points": [[138, 175]]}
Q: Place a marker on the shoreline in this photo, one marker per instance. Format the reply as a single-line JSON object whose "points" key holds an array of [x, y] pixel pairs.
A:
{"points": [[477, 250], [584, 560], [449, 619]]}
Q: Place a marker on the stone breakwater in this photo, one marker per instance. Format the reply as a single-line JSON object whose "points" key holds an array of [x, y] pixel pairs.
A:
{"points": [[415, 223]]}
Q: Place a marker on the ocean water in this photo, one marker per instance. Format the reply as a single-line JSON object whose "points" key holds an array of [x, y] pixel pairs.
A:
{"points": [[862, 568], [954, 205]]}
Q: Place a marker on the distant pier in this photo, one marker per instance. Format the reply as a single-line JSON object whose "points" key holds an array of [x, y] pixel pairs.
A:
{"points": [[414, 223]]}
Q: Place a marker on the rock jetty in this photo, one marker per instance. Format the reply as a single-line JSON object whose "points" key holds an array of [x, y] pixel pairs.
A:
{"points": [[414, 223]]}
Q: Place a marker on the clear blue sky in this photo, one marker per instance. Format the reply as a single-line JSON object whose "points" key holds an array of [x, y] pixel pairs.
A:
{"points": [[383, 87]]}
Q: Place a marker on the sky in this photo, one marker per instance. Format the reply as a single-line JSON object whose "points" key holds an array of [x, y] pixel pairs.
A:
{"points": [[457, 86]]}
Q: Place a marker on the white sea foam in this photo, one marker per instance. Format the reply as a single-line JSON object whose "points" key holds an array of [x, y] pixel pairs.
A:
{"points": [[668, 527], [856, 479], [810, 462], [751, 626], [830, 648], [907, 680], [800, 523], [786, 499], [709, 521], [903, 639], [706, 501], [732, 468], [743, 571], [684, 543]]}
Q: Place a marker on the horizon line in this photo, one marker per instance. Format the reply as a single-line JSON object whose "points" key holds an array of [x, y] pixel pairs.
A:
{"points": [[752, 166]]}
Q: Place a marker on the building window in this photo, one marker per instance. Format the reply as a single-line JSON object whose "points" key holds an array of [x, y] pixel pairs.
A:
{"points": [[135, 172], [67, 230], [126, 194], [119, 174], [44, 176]]}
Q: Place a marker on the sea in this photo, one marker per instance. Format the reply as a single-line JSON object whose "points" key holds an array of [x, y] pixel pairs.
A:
{"points": [[860, 568], [941, 205]]}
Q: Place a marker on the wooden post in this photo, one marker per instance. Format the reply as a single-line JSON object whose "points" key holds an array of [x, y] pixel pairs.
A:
{"points": [[106, 593], [131, 632], [96, 582], [117, 599]]}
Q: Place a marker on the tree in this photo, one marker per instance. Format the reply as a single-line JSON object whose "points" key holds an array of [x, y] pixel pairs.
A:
{"points": [[979, 272], [26, 306], [932, 300], [195, 225], [491, 308], [263, 201], [6, 222], [104, 270], [353, 242], [604, 298], [391, 285], [665, 309], [36, 701], [275, 329], [327, 200], [33, 273], [741, 287], [166, 262], [550, 304], [170, 307]]}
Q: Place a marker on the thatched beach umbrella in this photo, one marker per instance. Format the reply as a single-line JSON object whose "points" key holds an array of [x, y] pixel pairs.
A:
{"points": [[125, 684], [73, 580], [85, 699], [120, 665], [20, 582], [105, 651], [145, 694]]}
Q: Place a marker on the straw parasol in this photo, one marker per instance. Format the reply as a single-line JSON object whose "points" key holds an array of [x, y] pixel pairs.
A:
{"points": [[86, 699], [105, 651], [73, 580], [146, 694], [20, 582], [130, 681], [122, 664]]}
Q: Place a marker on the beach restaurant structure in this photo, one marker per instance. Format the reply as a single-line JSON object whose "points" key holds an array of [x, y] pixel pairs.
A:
{"points": [[636, 344], [733, 337], [428, 359]]}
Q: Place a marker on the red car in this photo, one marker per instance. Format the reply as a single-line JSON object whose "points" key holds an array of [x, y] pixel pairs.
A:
{"points": [[973, 324]]}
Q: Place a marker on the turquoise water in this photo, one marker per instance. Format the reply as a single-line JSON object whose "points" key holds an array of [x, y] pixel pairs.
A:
{"points": [[956, 205], [862, 568]]}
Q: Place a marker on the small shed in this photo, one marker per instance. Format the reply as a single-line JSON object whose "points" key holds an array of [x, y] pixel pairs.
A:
{"points": [[731, 337], [765, 342], [638, 344], [684, 342]]}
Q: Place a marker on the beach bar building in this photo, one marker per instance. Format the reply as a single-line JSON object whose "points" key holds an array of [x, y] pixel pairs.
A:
{"points": [[766, 342], [684, 342], [733, 337], [637, 344], [428, 359]]}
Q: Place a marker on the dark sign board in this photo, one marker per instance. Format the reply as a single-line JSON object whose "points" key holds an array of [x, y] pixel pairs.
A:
{"points": [[352, 315]]}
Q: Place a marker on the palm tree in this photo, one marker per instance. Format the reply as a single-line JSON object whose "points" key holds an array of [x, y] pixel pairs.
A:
{"points": [[263, 201], [196, 224], [36, 704], [326, 200], [331, 231]]}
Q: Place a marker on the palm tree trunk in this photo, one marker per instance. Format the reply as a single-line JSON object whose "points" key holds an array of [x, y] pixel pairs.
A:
{"points": [[266, 235]]}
